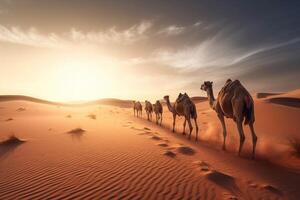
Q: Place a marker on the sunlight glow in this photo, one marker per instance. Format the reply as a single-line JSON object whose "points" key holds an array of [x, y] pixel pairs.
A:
{"points": [[81, 79]]}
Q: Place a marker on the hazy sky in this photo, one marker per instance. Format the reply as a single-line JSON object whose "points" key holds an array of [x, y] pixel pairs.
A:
{"points": [[67, 50]]}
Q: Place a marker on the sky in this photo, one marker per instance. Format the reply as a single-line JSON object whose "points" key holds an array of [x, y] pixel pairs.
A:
{"points": [[71, 50]]}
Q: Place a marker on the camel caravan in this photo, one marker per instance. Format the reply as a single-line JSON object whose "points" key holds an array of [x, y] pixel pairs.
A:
{"points": [[233, 101]]}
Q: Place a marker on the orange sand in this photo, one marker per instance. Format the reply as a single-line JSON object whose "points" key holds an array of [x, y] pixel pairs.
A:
{"points": [[114, 155]]}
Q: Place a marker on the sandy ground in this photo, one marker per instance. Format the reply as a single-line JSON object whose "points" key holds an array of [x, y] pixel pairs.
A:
{"points": [[119, 156]]}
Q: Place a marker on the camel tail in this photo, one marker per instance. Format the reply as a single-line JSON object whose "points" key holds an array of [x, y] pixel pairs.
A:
{"points": [[249, 110]]}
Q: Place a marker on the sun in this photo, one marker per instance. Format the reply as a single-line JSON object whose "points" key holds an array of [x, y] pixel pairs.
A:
{"points": [[83, 79]]}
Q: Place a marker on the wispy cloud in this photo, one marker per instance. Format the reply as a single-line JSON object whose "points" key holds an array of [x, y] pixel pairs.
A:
{"points": [[29, 37], [33, 37], [198, 23], [264, 49], [216, 51], [172, 30], [132, 34]]}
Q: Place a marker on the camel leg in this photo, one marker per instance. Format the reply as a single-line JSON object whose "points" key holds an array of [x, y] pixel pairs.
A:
{"points": [[191, 127], [221, 118], [197, 128], [254, 139], [160, 119], [242, 135], [184, 123], [174, 119]]}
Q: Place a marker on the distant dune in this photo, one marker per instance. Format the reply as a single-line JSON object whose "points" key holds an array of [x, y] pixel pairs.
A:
{"points": [[113, 102], [261, 95], [286, 101], [198, 99], [27, 98], [108, 101], [291, 99]]}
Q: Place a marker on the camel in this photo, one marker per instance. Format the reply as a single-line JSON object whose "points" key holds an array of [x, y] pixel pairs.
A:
{"points": [[149, 110], [158, 110], [183, 106], [234, 102], [137, 108]]}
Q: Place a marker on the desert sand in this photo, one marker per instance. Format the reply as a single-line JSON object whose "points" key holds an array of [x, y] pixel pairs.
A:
{"points": [[98, 151]]}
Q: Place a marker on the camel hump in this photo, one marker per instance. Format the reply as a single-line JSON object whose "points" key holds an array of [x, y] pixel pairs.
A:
{"points": [[230, 86]]}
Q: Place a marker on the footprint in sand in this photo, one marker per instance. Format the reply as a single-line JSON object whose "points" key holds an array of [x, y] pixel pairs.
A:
{"points": [[146, 128], [163, 144], [21, 109], [155, 137], [170, 154], [145, 133], [9, 119], [204, 166], [92, 116], [272, 189], [185, 150], [223, 180]]}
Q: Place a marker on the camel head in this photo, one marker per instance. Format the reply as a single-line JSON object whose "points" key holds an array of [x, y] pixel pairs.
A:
{"points": [[206, 85], [166, 98]]}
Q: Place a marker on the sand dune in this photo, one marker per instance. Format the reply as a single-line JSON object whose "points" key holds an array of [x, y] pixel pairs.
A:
{"points": [[261, 95], [291, 99], [120, 156]]}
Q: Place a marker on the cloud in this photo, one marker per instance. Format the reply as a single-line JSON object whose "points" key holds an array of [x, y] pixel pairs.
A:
{"points": [[172, 30], [33, 37], [264, 49], [132, 34], [198, 23], [30, 37], [219, 50]]}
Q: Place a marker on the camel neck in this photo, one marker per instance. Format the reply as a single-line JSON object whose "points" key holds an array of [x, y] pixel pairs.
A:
{"points": [[211, 98], [169, 106]]}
